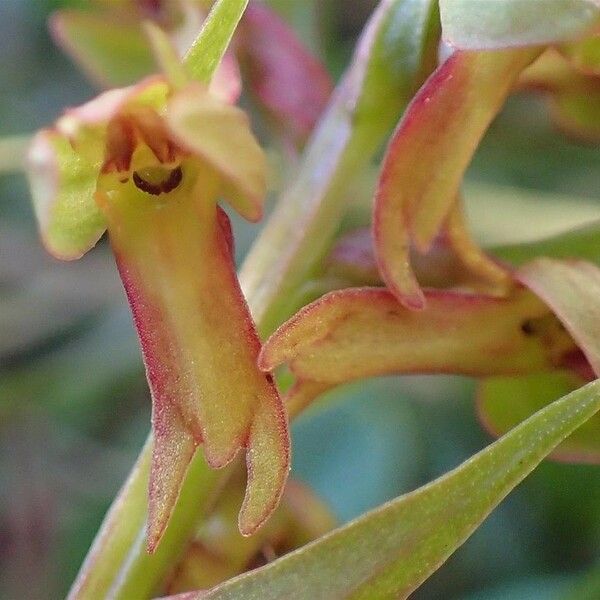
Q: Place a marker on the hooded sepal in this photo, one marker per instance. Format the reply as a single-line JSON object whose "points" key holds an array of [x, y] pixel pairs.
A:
{"points": [[199, 343]]}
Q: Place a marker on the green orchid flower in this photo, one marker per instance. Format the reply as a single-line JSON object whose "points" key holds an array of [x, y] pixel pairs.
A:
{"points": [[149, 163]]}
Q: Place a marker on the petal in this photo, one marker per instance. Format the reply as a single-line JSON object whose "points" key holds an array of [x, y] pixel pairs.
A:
{"points": [[268, 459], [220, 134], [151, 92], [365, 332], [86, 126], [199, 342], [172, 452], [571, 289], [353, 258], [475, 265], [428, 155], [226, 84], [63, 185], [455, 260], [288, 81]]}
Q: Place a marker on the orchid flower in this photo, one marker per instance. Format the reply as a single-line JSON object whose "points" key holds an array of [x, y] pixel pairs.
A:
{"points": [[149, 163], [440, 131]]}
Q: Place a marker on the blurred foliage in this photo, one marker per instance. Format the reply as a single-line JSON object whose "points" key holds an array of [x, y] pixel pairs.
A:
{"points": [[74, 407]]}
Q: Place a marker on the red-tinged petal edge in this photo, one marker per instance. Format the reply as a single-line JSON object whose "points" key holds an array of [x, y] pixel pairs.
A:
{"points": [[429, 153], [364, 332], [268, 460], [174, 447], [101, 109], [200, 346], [288, 81]]}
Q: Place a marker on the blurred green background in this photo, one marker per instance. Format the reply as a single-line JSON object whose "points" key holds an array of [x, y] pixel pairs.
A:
{"points": [[74, 408]]}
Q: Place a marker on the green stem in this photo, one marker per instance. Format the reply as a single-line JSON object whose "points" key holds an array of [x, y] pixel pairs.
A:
{"points": [[394, 55]]}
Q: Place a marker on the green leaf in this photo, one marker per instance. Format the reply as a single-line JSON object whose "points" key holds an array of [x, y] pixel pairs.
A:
{"points": [[205, 54], [112, 52], [62, 186], [493, 24], [423, 528], [507, 216], [504, 402]]}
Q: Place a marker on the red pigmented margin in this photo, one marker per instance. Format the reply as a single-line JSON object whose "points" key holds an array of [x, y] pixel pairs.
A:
{"points": [[429, 153], [187, 408], [270, 425], [392, 214]]}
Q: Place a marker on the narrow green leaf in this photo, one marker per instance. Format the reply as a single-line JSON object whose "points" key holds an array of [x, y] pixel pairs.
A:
{"points": [[493, 24], [506, 215], [423, 528], [205, 54]]}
